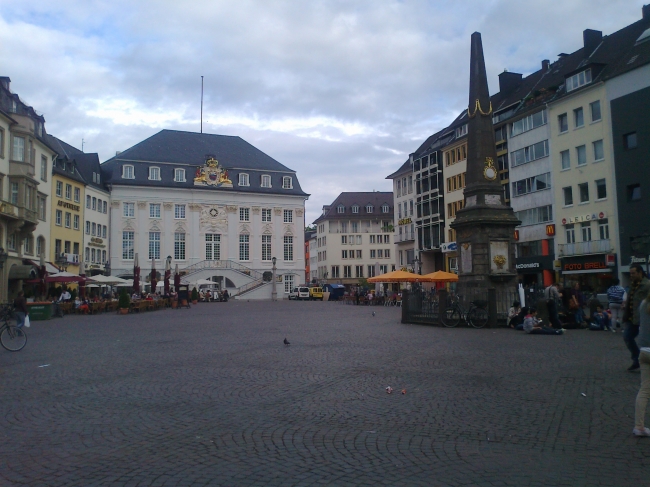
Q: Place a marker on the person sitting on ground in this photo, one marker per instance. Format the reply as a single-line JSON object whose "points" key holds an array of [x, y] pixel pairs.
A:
{"points": [[532, 325], [518, 320], [600, 320], [513, 313]]}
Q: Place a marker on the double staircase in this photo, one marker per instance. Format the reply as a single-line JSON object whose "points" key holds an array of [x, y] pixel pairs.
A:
{"points": [[255, 277]]}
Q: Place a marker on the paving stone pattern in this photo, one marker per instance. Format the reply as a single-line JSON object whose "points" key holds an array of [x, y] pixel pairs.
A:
{"points": [[211, 396]]}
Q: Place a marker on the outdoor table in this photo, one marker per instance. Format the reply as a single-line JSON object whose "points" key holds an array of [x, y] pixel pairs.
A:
{"points": [[96, 307], [66, 307]]}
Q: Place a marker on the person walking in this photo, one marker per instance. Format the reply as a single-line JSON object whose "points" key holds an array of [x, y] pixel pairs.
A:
{"points": [[639, 290], [20, 308], [643, 341], [615, 295]]}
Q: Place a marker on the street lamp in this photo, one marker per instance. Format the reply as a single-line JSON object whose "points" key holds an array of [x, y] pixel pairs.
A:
{"points": [[169, 261], [416, 266], [274, 294]]}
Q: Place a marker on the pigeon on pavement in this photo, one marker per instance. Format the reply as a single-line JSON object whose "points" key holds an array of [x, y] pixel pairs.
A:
{"points": [[286, 342], [373, 313]]}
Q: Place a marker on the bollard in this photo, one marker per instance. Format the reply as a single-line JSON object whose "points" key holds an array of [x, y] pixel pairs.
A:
{"points": [[405, 305]]}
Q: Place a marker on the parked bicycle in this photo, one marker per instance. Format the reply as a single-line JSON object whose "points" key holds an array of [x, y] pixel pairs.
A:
{"points": [[11, 337], [476, 315]]}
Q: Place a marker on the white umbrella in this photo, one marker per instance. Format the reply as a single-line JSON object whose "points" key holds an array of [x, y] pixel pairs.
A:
{"points": [[202, 282], [108, 279], [92, 285], [126, 283]]}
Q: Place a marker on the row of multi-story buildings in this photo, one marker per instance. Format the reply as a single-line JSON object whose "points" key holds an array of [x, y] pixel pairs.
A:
{"points": [[573, 149], [215, 206]]}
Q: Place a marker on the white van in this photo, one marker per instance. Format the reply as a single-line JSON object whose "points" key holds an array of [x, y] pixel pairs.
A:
{"points": [[299, 293]]}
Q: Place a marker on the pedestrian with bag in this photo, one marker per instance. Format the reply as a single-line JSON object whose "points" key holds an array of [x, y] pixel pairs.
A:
{"points": [[639, 290], [615, 295], [553, 295], [20, 308]]}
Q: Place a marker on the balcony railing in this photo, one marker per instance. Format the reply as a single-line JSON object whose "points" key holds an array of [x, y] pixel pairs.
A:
{"points": [[17, 212], [584, 248], [404, 237]]}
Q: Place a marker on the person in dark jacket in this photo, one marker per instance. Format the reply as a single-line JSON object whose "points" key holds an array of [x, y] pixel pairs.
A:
{"points": [[639, 290], [20, 308]]}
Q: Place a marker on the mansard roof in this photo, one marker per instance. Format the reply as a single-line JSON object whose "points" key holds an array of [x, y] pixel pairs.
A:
{"points": [[173, 149], [362, 199]]}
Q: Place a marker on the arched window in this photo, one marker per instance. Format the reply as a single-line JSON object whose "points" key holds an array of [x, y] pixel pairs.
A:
{"points": [[243, 179], [287, 182], [266, 181]]}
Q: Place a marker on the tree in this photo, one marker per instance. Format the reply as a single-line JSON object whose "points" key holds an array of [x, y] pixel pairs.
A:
{"points": [[124, 300]]}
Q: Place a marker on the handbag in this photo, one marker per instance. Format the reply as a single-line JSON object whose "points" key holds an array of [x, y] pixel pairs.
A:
{"points": [[27, 324]]}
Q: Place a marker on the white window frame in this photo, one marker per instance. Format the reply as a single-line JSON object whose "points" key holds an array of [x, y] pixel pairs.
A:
{"points": [[128, 210], [265, 181], [154, 210], [369, 208], [179, 246], [577, 80], [266, 215], [266, 248], [244, 214], [340, 209], [355, 209], [128, 245], [287, 182], [288, 216], [154, 173], [244, 179], [288, 248], [18, 149], [179, 212], [128, 171], [244, 247], [179, 175]]}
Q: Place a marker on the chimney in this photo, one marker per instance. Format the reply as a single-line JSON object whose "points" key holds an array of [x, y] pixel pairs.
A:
{"points": [[411, 159], [5, 81], [545, 64], [118, 152], [645, 12], [509, 82], [591, 40]]}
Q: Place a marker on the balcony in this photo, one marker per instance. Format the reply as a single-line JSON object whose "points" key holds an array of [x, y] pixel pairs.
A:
{"points": [[404, 237], [585, 248]]}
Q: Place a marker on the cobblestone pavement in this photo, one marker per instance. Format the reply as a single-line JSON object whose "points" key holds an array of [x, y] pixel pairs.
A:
{"points": [[211, 396]]}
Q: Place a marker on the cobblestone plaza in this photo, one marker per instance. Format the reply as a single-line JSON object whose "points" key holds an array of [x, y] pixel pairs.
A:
{"points": [[211, 396]]}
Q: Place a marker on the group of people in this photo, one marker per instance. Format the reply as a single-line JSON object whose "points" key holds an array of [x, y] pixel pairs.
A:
{"points": [[629, 309]]}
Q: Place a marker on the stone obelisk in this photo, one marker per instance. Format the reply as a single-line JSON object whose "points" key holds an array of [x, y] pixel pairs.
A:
{"points": [[485, 226]]}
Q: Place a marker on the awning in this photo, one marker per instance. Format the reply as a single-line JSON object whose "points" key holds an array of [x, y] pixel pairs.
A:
{"points": [[22, 272]]}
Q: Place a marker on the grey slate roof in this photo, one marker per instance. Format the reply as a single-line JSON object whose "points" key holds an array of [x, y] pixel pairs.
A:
{"points": [[85, 162], [171, 149], [375, 198]]}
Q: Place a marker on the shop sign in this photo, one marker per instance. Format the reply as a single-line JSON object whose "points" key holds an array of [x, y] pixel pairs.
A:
{"points": [[557, 265], [516, 234], [533, 264], [70, 206], [550, 230], [584, 218], [449, 247], [611, 260], [638, 260], [584, 266], [404, 221]]}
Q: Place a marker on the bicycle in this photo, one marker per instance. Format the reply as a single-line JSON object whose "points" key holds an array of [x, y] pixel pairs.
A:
{"points": [[476, 315], [12, 338]]}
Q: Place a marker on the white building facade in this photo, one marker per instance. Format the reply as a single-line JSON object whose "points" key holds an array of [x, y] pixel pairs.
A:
{"points": [[219, 208]]}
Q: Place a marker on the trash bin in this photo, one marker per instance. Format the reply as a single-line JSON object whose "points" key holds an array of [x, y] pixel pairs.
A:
{"points": [[40, 311]]}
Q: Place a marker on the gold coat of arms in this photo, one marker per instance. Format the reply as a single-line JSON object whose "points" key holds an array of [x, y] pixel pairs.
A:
{"points": [[211, 174]]}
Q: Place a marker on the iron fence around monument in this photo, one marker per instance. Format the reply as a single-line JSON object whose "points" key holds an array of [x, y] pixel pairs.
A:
{"points": [[422, 307]]}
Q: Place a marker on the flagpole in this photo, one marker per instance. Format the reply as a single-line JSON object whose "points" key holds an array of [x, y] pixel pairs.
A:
{"points": [[201, 104]]}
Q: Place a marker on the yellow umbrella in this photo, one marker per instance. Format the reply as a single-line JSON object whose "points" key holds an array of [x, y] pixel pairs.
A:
{"points": [[441, 276], [399, 276]]}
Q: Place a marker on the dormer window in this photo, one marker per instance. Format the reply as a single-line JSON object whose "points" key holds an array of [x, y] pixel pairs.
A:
{"points": [[243, 179], [287, 182], [154, 173], [340, 209], [355, 208], [266, 181], [384, 209], [369, 208], [179, 175], [462, 130], [14, 106], [127, 172], [578, 80]]}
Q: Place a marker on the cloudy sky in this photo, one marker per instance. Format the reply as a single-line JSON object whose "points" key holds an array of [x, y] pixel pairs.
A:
{"points": [[339, 90]]}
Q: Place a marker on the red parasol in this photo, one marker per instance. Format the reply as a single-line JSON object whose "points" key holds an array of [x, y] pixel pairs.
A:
{"points": [[168, 273], [82, 285], [177, 279]]}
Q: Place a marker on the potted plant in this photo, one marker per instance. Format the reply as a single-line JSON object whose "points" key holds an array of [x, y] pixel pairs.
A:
{"points": [[174, 302], [195, 296], [124, 302]]}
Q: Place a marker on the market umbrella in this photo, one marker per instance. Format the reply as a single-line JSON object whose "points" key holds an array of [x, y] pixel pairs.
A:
{"points": [[136, 274], [64, 277], [168, 273], [112, 280], [82, 288], [126, 283], [441, 276], [152, 279], [399, 276], [177, 279]]}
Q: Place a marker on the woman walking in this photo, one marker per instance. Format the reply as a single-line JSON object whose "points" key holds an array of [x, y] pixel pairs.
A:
{"points": [[643, 341]]}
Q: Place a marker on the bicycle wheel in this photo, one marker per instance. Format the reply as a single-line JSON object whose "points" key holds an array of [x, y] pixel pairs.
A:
{"points": [[451, 317], [478, 317], [13, 338]]}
